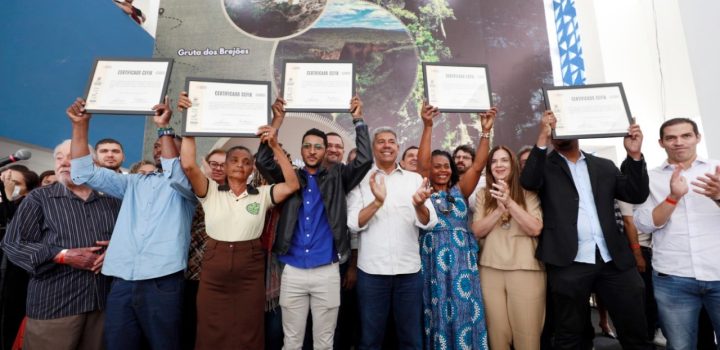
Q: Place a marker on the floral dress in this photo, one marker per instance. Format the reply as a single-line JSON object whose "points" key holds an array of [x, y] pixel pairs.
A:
{"points": [[453, 311]]}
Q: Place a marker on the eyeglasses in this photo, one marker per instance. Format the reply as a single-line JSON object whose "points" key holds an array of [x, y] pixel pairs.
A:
{"points": [[216, 165], [316, 146]]}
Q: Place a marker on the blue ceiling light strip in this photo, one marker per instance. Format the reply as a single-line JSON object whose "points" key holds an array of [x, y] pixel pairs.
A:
{"points": [[572, 64]]}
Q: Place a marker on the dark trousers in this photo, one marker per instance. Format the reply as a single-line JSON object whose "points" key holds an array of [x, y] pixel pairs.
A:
{"points": [[347, 331], [274, 331], [651, 313], [12, 303], [189, 321], [622, 292], [377, 295], [150, 308], [706, 334], [546, 338]]}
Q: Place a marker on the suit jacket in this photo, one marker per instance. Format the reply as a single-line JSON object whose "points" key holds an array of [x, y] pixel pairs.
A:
{"points": [[550, 177]]}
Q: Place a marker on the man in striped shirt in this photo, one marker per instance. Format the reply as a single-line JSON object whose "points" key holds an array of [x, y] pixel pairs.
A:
{"points": [[58, 235]]}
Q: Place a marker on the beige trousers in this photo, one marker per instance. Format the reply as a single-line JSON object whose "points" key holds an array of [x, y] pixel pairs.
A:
{"points": [[81, 332], [514, 307], [316, 289]]}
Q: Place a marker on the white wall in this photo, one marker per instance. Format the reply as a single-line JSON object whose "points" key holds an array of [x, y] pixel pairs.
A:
{"points": [[700, 21], [642, 44]]}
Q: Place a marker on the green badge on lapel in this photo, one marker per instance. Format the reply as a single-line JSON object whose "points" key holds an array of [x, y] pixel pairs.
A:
{"points": [[253, 208]]}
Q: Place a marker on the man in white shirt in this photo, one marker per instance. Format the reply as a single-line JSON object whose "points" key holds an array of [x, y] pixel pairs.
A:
{"points": [[387, 210], [686, 244]]}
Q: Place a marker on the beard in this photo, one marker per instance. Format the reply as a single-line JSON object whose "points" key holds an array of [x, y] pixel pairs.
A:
{"points": [[564, 145]]}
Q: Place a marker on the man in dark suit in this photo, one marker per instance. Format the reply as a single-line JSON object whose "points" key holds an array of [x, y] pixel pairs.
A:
{"points": [[581, 245]]}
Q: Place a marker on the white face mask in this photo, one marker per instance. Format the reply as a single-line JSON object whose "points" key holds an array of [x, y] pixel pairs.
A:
{"points": [[15, 194]]}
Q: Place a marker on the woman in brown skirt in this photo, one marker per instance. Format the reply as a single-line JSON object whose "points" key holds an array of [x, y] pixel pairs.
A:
{"points": [[231, 296]]}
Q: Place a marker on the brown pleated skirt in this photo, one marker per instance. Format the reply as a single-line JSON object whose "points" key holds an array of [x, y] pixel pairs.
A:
{"points": [[231, 296]]}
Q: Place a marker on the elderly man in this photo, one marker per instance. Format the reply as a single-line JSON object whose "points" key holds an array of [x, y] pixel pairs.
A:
{"points": [[387, 210], [685, 242], [149, 250], [58, 235]]}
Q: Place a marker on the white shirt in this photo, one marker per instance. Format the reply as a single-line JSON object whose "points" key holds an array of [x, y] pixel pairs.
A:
{"points": [[388, 244], [472, 200], [688, 244], [627, 209]]}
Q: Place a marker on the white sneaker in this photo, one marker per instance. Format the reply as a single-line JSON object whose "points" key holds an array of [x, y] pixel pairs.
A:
{"points": [[659, 339]]}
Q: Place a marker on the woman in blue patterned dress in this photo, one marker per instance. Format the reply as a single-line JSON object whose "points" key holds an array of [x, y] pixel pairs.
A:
{"points": [[454, 316]]}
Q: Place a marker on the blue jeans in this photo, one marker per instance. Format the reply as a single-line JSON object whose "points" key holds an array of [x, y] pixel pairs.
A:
{"points": [[376, 295], [679, 300], [150, 308]]}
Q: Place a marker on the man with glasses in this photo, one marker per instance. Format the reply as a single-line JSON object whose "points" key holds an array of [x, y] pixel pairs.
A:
{"points": [[464, 156], [335, 149], [312, 236]]}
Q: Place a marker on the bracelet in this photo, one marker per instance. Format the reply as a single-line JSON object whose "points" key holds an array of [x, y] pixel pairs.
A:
{"points": [[61, 258], [670, 201], [169, 131], [485, 135], [358, 121], [634, 246]]}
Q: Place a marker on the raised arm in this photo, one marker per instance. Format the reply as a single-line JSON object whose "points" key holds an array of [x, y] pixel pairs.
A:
{"points": [[633, 186], [532, 176], [353, 173], [188, 154], [427, 113], [162, 121], [80, 120], [282, 190], [469, 180], [198, 180], [82, 169], [264, 158]]}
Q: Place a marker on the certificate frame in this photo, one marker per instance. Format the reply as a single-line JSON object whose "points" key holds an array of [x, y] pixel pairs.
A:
{"points": [[149, 111], [345, 104], [265, 117], [483, 67], [613, 132]]}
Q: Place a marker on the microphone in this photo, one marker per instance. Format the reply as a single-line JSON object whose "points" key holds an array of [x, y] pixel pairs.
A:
{"points": [[21, 154]]}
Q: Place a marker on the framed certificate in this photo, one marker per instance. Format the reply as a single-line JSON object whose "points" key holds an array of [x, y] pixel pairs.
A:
{"points": [[589, 111], [127, 85], [232, 108], [318, 86], [457, 88]]}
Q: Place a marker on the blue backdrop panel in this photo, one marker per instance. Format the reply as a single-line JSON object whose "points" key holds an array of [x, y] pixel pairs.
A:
{"points": [[47, 49]]}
